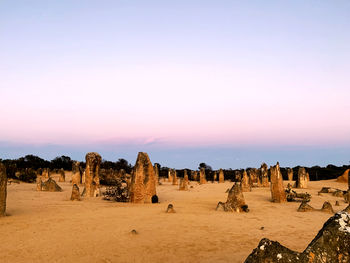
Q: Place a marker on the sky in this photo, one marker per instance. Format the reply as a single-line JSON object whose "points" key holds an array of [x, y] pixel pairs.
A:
{"points": [[229, 83]]}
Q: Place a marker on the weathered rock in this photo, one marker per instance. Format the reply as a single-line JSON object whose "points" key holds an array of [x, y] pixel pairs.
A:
{"points": [[253, 176], [76, 174], [92, 179], [327, 207], [83, 177], [51, 186], [238, 176], [269, 251], [214, 177], [290, 174], [75, 193], [305, 207], [156, 172], [170, 209], [170, 176], [235, 201], [245, 182], [202, 177], [347, 197], [331, 244], [221, 176], [38, 183], [194, 175], [174, 176], [278, 194], [264, 178], [339, 193], [143, 180], [120, 192], [3, 189], [184, 182], [344, 178], [46, 173], [302, 178], [294, 196], [62, 174]]}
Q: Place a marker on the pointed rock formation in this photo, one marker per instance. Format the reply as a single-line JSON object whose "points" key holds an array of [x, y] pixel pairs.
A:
{"points": [[184, 182], [194, 175], [305, 207], [170, 176], [46, 173], [38, 182], [50, 186], [278, 194], [75, 193], [245, 182], [76, 175], [235, 201], [302, 178], [156, 172], [143, 180], [221, 176], [202, 177], [253, 176], [3, 189], [344, 178], [215, 176], [290, 174], [174, 176], [92, 178], [264, 175], [62, 175], [327, 207]]}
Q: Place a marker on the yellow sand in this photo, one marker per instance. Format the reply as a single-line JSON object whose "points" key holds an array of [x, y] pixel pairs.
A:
{"points": [[48, 227]]}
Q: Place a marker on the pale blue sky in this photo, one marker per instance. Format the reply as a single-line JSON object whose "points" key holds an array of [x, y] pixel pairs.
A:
{"points": [[184, 80]]}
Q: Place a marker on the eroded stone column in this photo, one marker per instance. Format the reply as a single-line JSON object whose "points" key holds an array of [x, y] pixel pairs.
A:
{"points": [[302, 178], [143, 180], [92, 179], [202, 178], [3, 189], [278, 194], [221, 176]]}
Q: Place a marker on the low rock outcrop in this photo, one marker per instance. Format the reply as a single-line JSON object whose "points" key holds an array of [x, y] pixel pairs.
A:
{"points": [[331, 244], [235, 201]]}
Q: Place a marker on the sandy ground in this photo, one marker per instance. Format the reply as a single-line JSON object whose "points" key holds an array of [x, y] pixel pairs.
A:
{"points": [[48, 227]]}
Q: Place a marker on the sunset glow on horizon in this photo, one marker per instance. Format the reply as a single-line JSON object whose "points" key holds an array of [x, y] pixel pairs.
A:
{"points": [[167, 77]]}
